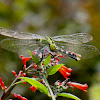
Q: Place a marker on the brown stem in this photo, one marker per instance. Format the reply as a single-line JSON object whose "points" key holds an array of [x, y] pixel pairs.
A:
{"points": [[29, 66], [9, 89]]}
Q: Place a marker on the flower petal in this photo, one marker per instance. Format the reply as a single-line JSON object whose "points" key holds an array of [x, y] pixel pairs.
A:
{"points": [[79, 86]]}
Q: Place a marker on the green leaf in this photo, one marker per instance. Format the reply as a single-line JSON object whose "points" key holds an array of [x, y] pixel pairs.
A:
{"points": [[47, 60], [18, 82], [68, 95], [52, 70], [35, 59], [36, 84], [38, 79]]}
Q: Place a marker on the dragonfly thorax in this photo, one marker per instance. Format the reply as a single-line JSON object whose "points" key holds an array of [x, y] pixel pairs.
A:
{"points": [[51, 43], [53, 47]]}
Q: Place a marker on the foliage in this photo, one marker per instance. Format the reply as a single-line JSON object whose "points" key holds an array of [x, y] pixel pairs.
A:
{"points": [[37, 73]]}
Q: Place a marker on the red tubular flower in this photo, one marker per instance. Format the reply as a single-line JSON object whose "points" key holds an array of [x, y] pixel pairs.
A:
{"points": [[34, 76], [59, 55], [57, 59], [19, 96], [0, 80], [25, 59], [33, 88], [34, 52], [14, 73], [65, 71], [79, 86], [23, 74], [35, 66], [2, 84]]}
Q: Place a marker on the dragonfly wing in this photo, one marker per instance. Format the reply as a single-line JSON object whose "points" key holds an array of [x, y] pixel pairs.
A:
{"points": [[19, 35], [77, 38], [86, 51], [19, 46]]}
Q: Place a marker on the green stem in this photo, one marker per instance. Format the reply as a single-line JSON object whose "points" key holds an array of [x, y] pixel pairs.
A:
{"points": [[47, 84], [50, 90]]}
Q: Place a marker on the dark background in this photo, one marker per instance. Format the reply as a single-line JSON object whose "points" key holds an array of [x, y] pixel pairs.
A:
{"points": [[50, 18]]}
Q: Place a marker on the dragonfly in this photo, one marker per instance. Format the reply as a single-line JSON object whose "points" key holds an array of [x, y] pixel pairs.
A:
{"points": [[74, 45]]}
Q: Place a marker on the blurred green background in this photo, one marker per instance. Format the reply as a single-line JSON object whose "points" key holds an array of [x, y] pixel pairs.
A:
{"points": [[50, 18]]}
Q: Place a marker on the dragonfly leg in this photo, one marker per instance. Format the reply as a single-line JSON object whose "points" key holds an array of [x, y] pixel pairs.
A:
{"points": [[43, 52]]}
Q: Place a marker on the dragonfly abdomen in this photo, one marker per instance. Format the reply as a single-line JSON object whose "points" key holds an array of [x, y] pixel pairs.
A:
{"points": [[71, 54]]}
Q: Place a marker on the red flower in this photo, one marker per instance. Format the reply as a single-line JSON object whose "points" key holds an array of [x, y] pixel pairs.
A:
{"points": [[57, 59], [65, 71], [23, 74], [25, 59], [33, 88], [0, 80], [79, 86], [19, 96], [59, 55], [34, 76], [35, 66], [34, 52], [2, 84], [14, 73]]}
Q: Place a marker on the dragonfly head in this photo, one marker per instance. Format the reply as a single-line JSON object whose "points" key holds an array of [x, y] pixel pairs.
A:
{"points": [[49, 40]]}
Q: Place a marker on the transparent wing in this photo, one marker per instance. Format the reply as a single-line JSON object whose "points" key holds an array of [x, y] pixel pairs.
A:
{"points": [[19, 35], [77, 38], [19, 46], [86, 51]]}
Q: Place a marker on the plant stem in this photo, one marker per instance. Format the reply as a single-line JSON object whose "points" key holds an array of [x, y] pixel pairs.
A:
{"points": [[29, 66], [9, 89], [50, 90], [47, 84]]}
